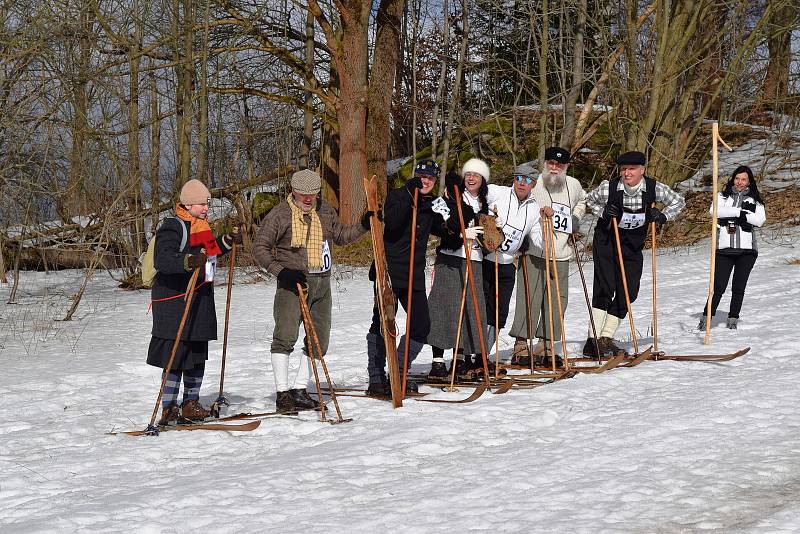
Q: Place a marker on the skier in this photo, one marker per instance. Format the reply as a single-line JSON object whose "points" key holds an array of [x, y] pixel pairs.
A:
{"points": [[398, 213], [176, 257], [450, 269], [563, 199], [628, 199], [294, 244], [740, 208], [518, 219]]}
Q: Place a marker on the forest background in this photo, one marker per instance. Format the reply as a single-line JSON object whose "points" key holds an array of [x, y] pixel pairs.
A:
{"points": [[108, 106]]}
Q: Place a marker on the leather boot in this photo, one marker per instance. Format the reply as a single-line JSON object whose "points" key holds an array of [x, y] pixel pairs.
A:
{"points": [[284, 403], [302, 400], [438, 371], [193, 411], [169, 415]]}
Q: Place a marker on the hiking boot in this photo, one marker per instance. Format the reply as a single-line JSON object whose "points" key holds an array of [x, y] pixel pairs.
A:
{"points": [[544, 360], [193, 411], [702, 324], [590, 348], [379, 389], [609, 348], [302, 401], [169, 415], [284, 403], [411, 387], [732, 321], [491, 365], [520, 349], [438, 372]]}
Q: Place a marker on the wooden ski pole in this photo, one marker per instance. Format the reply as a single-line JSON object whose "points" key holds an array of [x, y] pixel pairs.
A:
{"points": [[151, 429], [586, 295], [524, 261], [653, 267], [323, 410], [221, 399], [473, 291], [545, 223], [625, 284], [715, 138], [458, 332], [496, 315], [564, 352], [312, 334], [410, 288]]}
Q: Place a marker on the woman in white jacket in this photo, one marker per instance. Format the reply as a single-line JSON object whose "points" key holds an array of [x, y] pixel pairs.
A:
{"points": [[739, 209]]}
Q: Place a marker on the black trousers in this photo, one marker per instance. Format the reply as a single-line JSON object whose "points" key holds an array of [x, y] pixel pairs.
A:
{"points": [[420, 316], [507, 275], [724, 264]]}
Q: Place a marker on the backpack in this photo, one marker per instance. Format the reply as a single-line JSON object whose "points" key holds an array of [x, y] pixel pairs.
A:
{"points": [[148, 259]]}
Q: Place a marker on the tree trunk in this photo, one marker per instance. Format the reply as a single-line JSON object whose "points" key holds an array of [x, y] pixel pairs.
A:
{"points": [[440, 87], [779, 34], [451, 111], [134, 185], [308, 116], [576, 82], [155, 154]]}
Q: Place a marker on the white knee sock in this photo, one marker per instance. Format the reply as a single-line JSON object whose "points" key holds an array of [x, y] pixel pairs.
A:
{"points": [[280, 370], [610, 326], [599, 317], [303, 372]]}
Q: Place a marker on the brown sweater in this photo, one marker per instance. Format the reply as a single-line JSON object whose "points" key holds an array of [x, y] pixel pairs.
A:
{"points": [[272, 246]]}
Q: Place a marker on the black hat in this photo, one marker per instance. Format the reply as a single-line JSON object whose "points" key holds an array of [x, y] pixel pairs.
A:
{"points": [[427, 167], [556, 153], [631, 158]]}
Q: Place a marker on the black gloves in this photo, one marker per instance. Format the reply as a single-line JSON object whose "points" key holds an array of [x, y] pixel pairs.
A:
{"points": [[367, 214], [742, 220], [655, 215], [612, 211], [233, 238], [749, 204], [414, 183], [193, 261], [452, 179], [291, 277]]}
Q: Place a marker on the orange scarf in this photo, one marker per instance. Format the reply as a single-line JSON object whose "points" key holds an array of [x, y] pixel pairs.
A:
{"points": [[200, 233]]}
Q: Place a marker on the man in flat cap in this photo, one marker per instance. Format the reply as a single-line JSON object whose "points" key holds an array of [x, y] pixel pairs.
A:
{"points": [[630, 199], [561, 198], [294, 244]]}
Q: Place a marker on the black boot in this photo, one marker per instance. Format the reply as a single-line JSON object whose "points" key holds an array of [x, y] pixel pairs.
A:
{"points": [[284, 403], [609, 348], [379, 389], [545, 361], [438, 372], [463, 367], [411, 387], [302, 401], [590, 348]]}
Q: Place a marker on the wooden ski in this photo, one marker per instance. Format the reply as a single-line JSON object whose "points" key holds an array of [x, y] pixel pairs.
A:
{"points": [[610, 364], [244, 427], [701, 357], [480, 390], [639, 358], [385, 296]]}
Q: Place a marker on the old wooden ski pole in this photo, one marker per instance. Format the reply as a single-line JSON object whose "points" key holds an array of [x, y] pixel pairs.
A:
{"points": [[564, 351], [410, 291], [496, 315], [458, 331], [524, 261], [151, 428], [545, 222], [625, 284], [653, 266], [473, 291], [311, 330], [221, 399], [586, 295]]}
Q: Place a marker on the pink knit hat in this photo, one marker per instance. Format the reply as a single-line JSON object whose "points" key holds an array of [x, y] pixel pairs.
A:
{"points": [[194, 192]]}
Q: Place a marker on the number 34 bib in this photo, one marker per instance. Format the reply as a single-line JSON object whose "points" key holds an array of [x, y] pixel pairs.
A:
{"points": [[562, 218]]}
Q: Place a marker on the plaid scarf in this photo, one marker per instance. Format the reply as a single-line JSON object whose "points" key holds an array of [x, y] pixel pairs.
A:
{"points": [[307, 232], [200, 233]]}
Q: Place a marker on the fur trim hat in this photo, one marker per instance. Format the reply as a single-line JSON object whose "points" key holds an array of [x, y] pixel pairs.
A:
{"points": [[194, 192], [306, 182], [478, 166]]}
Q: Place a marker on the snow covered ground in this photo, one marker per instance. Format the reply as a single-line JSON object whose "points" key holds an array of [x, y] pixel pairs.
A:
{"points": [[662, 447]]}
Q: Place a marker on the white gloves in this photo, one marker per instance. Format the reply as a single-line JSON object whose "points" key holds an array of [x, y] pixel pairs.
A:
{"points": [[473, 231]]}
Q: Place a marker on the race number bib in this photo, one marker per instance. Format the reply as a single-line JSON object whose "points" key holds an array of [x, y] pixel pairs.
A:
{"points": [[631, 221], [211, 268], [562, 218], [513, 239], [326, 259], [439, 205]]}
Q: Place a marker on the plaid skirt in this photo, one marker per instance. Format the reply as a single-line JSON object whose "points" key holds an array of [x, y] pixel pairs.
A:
{"points": [[444, 304]]}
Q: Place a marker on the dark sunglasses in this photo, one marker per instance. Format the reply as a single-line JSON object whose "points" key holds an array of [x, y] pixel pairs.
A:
{"points": [[527, 178]]}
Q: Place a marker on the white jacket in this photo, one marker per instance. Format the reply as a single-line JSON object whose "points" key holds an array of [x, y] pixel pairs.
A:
{"points": [[517, 219], [731, 208]]}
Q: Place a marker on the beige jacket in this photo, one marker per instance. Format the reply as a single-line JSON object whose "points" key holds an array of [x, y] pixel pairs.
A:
{"points": [[573, 196]]}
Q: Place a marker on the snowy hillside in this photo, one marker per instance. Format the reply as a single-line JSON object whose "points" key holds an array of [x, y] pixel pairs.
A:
{"points": [[662, 447]]}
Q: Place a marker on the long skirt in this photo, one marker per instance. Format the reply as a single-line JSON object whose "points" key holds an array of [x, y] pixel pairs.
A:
{"points": [[444, 304]]}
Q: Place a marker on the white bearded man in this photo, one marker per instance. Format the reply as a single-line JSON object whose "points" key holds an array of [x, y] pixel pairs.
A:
{"points": [[562, 199]]}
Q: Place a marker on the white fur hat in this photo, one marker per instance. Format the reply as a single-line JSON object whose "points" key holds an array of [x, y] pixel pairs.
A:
{"points": [[477, 165]]}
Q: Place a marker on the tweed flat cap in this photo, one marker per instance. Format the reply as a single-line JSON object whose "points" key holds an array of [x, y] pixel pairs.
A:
{"points": [[306, 182]]}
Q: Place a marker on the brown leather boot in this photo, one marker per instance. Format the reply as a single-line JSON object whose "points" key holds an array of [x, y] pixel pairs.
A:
{"points": [[169, 415], [193, 411]]}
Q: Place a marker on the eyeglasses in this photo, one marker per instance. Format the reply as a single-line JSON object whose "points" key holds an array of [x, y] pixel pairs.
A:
{"points": [[527, 178]]}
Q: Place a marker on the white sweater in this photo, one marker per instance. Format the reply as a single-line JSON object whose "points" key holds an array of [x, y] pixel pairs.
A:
{"points": [[573, 196], [731, 208], [517, 219]]}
